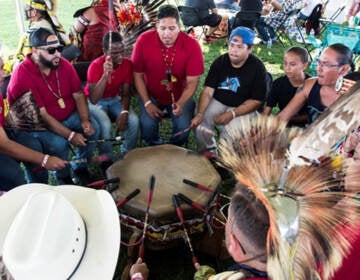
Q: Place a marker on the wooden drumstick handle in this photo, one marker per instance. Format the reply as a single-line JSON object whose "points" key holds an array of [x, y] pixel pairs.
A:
{"points": [[131, 195]]}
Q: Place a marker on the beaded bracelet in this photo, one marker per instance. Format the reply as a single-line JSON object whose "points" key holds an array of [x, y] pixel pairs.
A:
{"points": [[137, 276], [233, 114], [45, 160], [124, 112], [71, 136], [147, 103]]}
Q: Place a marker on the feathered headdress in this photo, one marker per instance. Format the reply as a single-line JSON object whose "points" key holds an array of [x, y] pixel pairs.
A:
{"points": [[313, 210]]}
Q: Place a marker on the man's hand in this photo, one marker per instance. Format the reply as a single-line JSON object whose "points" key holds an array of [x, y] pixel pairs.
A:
{"points": [[140, 267], [177, 109], [108, 66], [153, 111], [87, 128], [122, 122], [196, 120], [55, 163], [223, 118]]}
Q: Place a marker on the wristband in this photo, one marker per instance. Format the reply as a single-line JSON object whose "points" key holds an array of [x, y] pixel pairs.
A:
{"points": [[147, 103], [233, 113], [124, 112], [71, 136], [137, 276], [45, 160]]}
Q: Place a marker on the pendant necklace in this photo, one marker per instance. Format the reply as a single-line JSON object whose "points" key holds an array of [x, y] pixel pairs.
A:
{"points": [[60, 100], [170, 78]]}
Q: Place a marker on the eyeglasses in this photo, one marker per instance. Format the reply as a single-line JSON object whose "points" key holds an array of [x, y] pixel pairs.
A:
{"points": [[326, 65], [224, 211], [52, 50]]}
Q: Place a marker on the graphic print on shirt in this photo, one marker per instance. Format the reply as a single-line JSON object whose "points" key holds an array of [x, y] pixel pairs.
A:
{"points": [[231, 84]]}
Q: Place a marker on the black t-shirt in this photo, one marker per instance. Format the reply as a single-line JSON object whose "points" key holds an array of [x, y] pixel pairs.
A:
{"points": [[232, 85], [282, 91]]}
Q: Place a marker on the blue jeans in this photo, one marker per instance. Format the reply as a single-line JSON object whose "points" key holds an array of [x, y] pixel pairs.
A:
{"points": [[265, 31], [11, 174], [150, 127], [105, 112], [26, 139], [87, 152]]}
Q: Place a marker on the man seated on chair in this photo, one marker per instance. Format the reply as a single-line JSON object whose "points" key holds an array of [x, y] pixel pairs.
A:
{"points": [[270, 22], [108, 87], [167, 66], [235, 86], [56, 88], [212, 19]]}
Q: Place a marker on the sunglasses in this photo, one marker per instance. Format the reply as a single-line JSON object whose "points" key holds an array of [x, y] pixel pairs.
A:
{"points": [[52, 50]]}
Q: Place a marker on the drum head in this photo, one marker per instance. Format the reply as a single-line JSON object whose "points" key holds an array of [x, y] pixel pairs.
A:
{"points": [[170, 165]]}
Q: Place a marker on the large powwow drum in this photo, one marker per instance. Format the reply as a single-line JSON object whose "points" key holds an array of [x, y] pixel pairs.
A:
{"points": [[170, 165]]}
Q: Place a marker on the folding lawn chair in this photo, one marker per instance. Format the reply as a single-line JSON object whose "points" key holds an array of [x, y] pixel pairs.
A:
{"points": [[330, 20]]}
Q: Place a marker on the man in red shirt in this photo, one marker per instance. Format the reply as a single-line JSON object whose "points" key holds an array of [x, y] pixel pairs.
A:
{"points": [[11, 174], [108, 87], [57, 91], [167, 66]]}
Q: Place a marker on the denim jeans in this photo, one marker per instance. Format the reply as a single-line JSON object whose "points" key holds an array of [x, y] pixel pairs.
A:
{"points": [[87, 152], [11, 174], [105, 112], [265, 31], [27, 139], [150, 127]]}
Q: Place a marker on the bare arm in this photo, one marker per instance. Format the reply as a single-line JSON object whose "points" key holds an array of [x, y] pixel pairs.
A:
{"points": [[203, 103], [246, 107], [20, 152], [152, 110], [97, 89], [122, 119], [298, 101], [83, 111], [267, 110]]}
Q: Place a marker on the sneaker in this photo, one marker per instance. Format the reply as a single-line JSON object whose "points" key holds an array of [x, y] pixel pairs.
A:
{"points": [[208, 40], [81, 177]]}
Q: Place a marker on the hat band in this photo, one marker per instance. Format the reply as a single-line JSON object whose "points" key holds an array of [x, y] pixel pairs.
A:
{"points": [[48, 43], [36, 6]]}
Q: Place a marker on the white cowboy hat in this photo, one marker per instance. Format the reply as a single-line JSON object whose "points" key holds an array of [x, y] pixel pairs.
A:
{"points": [[59, 232]]}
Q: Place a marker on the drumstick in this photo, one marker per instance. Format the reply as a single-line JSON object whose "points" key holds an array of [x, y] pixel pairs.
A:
{"points": [[148, 202], [196, 185], [80, 160], [187, 238], [112, 139], [103, 182], [131, 195], [181, 132], [197, 206]]}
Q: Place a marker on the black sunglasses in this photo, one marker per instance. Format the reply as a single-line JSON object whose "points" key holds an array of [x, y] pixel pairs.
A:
{"points": [[52, 50]]}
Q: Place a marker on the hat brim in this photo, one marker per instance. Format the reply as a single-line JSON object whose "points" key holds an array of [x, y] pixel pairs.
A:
{"points": [[99, 212]]}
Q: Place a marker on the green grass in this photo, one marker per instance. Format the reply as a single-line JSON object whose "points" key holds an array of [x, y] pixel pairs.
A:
{"points": [[174, 264]]}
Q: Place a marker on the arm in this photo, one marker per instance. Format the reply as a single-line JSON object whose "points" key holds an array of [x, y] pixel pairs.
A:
{"points": [[188, 92], [246, 107], [267, 111], [97, 89], [20, 152], [83, 111], [122, 119], [297, 102], [204, 100], [152, 110]]}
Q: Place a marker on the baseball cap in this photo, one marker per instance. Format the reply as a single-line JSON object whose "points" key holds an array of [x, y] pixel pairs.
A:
{"points": [[38, 37], [246, 34]]}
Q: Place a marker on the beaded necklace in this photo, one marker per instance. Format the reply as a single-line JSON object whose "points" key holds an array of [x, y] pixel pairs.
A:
{"points": [[170, 78], [60, 100]]}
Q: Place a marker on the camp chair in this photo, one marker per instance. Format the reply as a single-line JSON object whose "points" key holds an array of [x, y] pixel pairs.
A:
{"points": [[282, 31], [190, 18], [245, 18], [330, 20]]}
